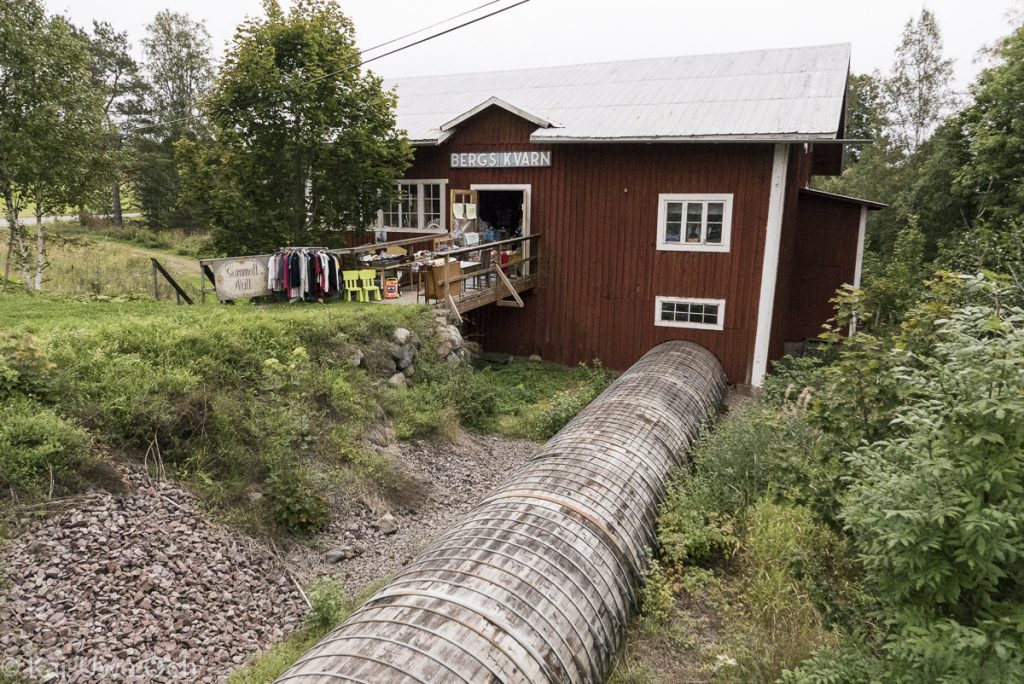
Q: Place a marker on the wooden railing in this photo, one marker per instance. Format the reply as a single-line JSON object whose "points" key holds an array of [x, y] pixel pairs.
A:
{"points": [[526, 269]]}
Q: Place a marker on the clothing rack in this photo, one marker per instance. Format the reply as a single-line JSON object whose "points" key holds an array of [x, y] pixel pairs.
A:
{"points": [[305, 273]]}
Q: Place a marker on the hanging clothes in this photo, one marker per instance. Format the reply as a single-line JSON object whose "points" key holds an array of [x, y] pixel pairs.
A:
{"points": [[309, 274]]}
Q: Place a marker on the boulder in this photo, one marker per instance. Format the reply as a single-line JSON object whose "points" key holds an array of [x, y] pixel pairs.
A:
{"points": [[402, 335], [452, 333], [535, 358], [444, 349], [397, 380], [356, 359], [387, 524], [403, 355], [408, 371], [453, 359]]}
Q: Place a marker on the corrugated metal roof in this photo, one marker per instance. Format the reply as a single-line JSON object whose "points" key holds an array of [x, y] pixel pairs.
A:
{"points": [[795, 93]]}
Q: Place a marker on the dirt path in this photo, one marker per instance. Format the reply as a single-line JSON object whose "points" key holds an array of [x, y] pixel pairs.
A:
{"points": [[174, 263]]}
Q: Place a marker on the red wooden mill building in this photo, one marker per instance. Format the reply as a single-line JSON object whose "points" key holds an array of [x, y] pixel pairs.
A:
{"points": [[671, 197]]}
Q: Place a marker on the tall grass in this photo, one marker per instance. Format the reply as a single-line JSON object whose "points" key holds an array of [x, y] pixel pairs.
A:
{"points": [[81, 263]]}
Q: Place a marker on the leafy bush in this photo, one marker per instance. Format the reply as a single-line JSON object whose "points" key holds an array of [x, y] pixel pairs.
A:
{"points": [[329, 606], [25, 370], [656, 595], [37, 447], [689, 533], [935, 505], [294, 504]]}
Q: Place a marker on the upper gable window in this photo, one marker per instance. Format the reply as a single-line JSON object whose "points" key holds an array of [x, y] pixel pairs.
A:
{"points": [[694, 223], [420, 208]]}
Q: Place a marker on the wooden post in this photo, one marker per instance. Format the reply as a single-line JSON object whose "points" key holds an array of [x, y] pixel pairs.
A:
{"points": [[156, 284], [444, 260]]}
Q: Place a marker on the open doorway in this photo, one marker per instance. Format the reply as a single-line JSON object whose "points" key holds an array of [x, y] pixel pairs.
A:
{"points": [[504, 212], [501, 214]]}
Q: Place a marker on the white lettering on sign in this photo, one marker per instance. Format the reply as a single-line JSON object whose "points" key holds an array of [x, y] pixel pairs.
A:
{"points": [[500, 160], [240, 278]]}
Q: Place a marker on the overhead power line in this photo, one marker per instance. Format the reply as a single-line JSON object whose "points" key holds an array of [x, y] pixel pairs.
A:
{"points": [[426, 28], [464, 24]]}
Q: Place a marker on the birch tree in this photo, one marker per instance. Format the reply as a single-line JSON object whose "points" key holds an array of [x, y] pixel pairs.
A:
{"points": [[179, 70], [918, 92], [50, 123]]}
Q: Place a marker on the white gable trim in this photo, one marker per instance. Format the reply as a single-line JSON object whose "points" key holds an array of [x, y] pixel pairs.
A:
{"points": [[770, 265], [497, 102]]}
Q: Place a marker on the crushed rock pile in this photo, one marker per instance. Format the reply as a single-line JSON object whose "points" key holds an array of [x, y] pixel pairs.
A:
{"points": [[139, 586]]}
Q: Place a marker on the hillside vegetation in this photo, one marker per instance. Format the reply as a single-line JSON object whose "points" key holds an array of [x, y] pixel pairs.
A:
{"points": [[262, 409], [860, 521]]}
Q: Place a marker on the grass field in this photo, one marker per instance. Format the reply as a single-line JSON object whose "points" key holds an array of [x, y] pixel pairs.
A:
{"points": [[115, 262]]}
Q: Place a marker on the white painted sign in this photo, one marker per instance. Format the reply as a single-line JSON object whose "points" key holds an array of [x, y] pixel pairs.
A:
{"points": [[500, 160], [240, 278]]}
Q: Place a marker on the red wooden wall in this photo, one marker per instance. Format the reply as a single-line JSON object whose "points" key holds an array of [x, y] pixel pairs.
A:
{"points": [[597, 206], [824, 259]]}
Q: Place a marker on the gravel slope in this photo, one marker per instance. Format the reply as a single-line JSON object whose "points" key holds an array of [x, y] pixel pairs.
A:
{"points": [[141, 586], [454, 477]]}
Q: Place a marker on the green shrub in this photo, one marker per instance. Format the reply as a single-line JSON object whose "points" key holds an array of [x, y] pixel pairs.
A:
{"points": [[329, 606], [25, 369], [758, 449], [295, 506], [793, 377], [656, 596], [688, 533], [37, 447]]}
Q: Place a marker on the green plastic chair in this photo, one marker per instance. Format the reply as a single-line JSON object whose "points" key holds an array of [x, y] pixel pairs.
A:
{"points": [[368, 278], [353, 286]]}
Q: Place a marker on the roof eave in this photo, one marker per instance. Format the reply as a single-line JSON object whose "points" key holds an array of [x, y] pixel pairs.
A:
{"points": [[870, 204], [766, 138]]}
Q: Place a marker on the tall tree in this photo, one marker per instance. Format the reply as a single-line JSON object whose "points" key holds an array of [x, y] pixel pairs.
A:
{"points": [[50, 122], [179, 68], [20, 20], [995, 127], [305, 143], [918, 91], [118, 77], [865, 113]]}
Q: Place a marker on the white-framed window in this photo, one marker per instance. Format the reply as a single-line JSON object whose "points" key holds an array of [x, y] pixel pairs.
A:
{"points": [[684, 312], [694, 222], [420, 208]]}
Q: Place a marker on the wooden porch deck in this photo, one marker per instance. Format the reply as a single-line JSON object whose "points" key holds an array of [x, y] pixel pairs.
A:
{"points": [[481, 287]]}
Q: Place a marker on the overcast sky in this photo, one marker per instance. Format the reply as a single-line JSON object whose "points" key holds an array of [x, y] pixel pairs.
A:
{"points": [[550, 32]]}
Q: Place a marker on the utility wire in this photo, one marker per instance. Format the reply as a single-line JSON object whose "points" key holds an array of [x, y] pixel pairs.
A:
{"points": [[443, 21], [417, 42], [160, 124]]}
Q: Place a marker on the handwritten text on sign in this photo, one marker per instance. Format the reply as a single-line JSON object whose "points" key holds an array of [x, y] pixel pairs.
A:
{"points": [[499, 160], [240, 278]]}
